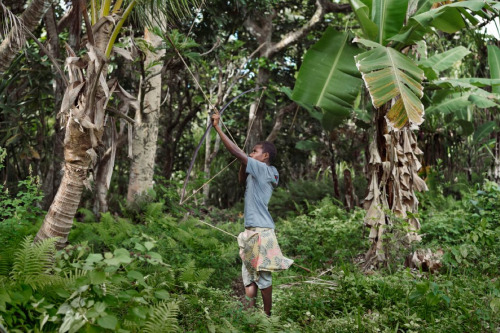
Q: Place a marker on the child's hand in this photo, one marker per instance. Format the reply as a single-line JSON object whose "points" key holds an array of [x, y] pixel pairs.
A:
{"points": [[215, 119]]}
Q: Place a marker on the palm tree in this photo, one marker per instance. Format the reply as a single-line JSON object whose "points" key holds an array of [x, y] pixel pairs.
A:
{"points": [[16, 27], [84, 105]]}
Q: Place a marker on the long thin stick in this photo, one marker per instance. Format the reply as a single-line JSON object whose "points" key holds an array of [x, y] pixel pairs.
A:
{"points": [[230, 234]]}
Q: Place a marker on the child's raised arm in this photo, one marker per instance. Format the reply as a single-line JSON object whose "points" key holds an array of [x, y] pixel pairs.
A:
{"points": [[230, 145]]}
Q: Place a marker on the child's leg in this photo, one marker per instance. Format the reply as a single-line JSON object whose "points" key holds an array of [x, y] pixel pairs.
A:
{"points": [[267, 298], [251, 294]]}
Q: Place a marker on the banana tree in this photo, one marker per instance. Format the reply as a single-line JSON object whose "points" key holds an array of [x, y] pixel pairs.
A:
{"points": [[83, 109], [390, 31]]}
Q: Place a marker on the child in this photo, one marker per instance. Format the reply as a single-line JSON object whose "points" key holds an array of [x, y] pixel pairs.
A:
{"points": [[259, 248]]}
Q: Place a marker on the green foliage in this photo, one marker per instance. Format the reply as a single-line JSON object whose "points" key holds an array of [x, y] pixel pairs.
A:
{"points": [[468, 230], [33, 263], [332, 235], [298, 196], [19, 213], [166, 273], [162, 318]]}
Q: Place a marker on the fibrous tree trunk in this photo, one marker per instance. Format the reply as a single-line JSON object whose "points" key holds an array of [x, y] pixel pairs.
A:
{"points": [[145, 133], [391, 199], [16, 37], [82, 112]]}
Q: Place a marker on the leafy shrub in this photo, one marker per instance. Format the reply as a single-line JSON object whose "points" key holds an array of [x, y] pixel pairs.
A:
{"points": [[326, 234]]}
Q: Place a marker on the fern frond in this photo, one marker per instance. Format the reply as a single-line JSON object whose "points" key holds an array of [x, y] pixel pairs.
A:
{"points": [[5, 263], [34, 263], [188, 272], [162, 318], [71, 275], [131, 325]]}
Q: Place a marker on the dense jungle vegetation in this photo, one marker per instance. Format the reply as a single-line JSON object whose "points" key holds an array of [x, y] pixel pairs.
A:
{"points": [[385, 114]]}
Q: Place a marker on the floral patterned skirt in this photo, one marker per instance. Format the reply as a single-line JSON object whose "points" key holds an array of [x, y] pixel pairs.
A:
{"points": [[260, 251]]}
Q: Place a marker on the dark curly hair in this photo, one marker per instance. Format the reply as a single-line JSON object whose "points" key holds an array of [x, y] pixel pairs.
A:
{"points": [[268, 147]]}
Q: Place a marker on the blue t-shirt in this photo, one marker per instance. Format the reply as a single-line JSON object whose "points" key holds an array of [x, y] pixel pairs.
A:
{"points": [[261, 181]]}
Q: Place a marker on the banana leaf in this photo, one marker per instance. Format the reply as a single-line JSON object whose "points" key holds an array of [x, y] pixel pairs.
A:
{"points": [[362, 11], [390, 75], [389, 16], [484, 131], [328, 79], [449, 18], [494, 64], [442, 61]]}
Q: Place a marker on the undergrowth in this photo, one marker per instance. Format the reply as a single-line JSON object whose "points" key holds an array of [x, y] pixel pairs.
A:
{"points": [[160, 269]]}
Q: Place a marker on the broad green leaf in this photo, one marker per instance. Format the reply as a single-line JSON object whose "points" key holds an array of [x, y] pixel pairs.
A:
{"points": [[390, 75], [108, 321], [484, 131], [328, 78], [452, 104], [308, 145], [135, 275], [439, 18], [471, 82], [445, 60], [494, 64], [162, 294], [362, 12], [94, 257], [449, 21], [389, 16], [97, 277], [467, 126], [482, 101]]}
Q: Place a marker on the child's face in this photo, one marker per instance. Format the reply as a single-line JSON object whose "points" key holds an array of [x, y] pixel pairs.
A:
{"points": [[259, 155]]}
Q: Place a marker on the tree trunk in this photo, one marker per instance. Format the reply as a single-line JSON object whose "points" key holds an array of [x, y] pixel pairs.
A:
{"points": [[16, 38], [496, 166], [335, 177], [256, 115], [209, 157], [84, 128], [104, 170], [54, 176], [350, 197], [393, 166], [59, 218], [146, 131]]}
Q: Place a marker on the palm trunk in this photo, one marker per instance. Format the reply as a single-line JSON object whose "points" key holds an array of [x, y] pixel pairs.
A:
{"points": [[16, 38], [59, 218], [146, 131], [84, 128]]}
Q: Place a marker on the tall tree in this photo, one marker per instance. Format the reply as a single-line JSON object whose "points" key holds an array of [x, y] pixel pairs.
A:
{"points": [[145, 130], [17, 28], [83, 110]]}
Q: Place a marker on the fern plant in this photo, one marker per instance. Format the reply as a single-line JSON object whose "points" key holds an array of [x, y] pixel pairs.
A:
{"points": [[162, 318], [192, 276], [34, 263]]}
